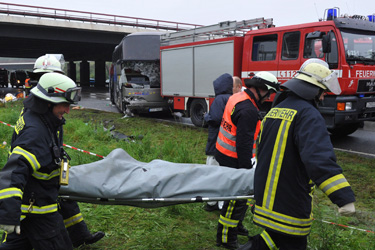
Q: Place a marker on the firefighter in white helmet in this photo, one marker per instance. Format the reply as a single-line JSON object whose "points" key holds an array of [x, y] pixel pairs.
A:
{"points": [[234, 148], [44, 64], [29, 181], [74, 222], [295, 154]]}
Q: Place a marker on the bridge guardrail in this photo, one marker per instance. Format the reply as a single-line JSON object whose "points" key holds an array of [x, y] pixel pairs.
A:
{"points": [[91, 17]]}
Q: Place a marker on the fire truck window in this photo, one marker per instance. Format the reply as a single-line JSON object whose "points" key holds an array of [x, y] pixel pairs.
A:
{"points": [[313, 48], [264, 48], [290, 48], [332, 58]]}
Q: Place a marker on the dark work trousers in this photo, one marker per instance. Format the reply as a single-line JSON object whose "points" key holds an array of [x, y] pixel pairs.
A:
{"points": [[232, 213], [73, 220], [282, 241], [39, 232]]}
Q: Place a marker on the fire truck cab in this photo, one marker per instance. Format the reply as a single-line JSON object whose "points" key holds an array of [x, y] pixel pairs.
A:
{"points": [[347, 44]]}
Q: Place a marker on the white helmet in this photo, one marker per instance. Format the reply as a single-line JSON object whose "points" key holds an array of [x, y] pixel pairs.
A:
{"points": [[48, 63], [57, 88], [263, 80]]}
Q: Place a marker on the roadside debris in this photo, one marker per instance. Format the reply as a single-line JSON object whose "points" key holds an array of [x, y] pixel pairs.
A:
{"points": [[121, 136]]}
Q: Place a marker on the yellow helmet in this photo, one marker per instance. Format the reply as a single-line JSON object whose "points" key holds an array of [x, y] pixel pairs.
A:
{"points": [[317, 72]]}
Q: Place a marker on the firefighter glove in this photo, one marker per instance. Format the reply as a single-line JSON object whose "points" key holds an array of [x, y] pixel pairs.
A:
{"points": [[347, 209], [11, 228]]}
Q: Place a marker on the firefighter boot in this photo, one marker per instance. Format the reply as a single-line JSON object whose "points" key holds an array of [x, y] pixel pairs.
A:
{"points": [[90, 239], [248, 245], [229, 245]]}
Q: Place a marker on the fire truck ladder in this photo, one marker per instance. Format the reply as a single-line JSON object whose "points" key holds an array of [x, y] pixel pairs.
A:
{"points": [[222, 29]]}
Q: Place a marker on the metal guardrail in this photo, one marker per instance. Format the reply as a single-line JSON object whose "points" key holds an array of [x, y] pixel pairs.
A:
{"points": [[90, 17]]}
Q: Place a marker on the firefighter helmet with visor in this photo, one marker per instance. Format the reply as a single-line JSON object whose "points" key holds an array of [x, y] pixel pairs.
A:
{"points": [[263, 80], [317, 72], [49, 63], [57, 88]]}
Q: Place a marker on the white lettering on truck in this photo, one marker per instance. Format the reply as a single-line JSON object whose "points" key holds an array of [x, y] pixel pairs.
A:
{"points": [[365, 73]]}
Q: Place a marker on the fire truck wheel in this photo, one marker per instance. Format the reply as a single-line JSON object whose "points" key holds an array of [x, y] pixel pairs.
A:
{"points": [[198, 108], [344, 130]]}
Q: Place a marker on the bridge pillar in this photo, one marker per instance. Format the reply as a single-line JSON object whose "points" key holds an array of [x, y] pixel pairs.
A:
{"points": [[100, 73], [72, 71], [85, 73]]}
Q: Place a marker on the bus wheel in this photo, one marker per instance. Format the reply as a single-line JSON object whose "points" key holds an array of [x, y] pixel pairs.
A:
{"points": [[198, 108]]}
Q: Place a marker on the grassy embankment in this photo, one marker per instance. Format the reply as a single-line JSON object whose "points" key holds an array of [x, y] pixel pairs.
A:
{"points": [[188, 226]]}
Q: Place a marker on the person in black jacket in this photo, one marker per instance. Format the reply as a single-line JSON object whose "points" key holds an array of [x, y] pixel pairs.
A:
{"points": [[234, 148], [30, 180], [77, 228], [295, 154]]}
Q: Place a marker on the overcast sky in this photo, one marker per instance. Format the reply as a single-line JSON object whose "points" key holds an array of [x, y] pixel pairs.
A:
{"points": [[206, 12]]}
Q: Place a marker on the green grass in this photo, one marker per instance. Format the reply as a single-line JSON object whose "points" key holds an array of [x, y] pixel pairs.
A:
{"points": [[188, 226]]}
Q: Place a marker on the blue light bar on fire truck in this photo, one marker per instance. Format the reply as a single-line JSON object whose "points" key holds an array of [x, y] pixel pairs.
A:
{"points": [[332, 13]]}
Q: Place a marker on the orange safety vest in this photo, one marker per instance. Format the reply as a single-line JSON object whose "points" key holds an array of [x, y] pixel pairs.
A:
{"points": [[226, 140]]}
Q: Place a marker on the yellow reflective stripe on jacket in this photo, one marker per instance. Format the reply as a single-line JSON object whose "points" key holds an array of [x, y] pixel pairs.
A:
{"points": [[282, 113], [267, 238], [281, 222], [333, 184], [29, 157], [275, 164], [39, 210], [73, 220], [44, 176], [20, 124], [10, 192]]}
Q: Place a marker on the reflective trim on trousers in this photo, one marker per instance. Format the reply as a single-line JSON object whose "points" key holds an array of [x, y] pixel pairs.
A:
{"points": [[73, 220], [267, 238]]}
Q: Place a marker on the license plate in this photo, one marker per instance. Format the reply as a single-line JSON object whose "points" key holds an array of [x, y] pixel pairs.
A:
{"points": [[370, 104], [366, 86], [155, 109]]}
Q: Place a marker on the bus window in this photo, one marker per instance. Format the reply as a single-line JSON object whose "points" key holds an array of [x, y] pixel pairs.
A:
{"points": [[290, 49], [264, 48]]}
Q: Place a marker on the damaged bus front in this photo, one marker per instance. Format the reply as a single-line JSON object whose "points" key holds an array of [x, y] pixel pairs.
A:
{"points": [[135, 74]]}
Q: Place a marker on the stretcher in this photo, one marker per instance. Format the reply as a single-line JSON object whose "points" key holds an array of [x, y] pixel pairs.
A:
{"points": [[119, 179]]}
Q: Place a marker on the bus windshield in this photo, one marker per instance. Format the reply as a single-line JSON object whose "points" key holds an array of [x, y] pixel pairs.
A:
{"points": [[359, 47]]}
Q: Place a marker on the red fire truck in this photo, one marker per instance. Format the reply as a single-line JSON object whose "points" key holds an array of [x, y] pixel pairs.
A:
{"points": [[190, 60]]}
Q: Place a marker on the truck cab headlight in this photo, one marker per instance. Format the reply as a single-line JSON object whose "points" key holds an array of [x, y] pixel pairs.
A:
{"points": [[344, 106]]}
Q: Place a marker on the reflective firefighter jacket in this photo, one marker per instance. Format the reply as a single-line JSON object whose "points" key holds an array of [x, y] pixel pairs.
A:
{"points": [[238, 131], [294, 154], [30, 176]]}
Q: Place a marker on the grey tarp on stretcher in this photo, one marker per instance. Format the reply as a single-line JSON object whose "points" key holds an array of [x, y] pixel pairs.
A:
{"points": [[120, 179]]}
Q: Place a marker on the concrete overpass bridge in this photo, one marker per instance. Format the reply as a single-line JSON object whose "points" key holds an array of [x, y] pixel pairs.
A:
{"points": [[31, 31]]}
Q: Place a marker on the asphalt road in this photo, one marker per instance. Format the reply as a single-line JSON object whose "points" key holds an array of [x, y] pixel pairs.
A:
{"points": [[360, 142], [97, 98]]}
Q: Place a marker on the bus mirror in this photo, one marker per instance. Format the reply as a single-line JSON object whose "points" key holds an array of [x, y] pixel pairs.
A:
{"points": [[326, 43]]}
